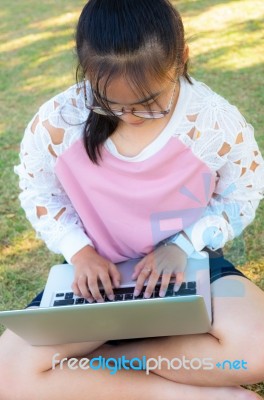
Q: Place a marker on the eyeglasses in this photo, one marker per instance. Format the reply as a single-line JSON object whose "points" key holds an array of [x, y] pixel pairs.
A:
{"points": [[140, 114]]}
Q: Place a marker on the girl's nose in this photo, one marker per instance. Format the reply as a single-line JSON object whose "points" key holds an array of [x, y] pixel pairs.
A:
{"points": [[129, 117]]}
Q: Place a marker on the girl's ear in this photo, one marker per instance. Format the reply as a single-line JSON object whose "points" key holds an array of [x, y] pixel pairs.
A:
{"points": [[185, 53], [185, 56]]}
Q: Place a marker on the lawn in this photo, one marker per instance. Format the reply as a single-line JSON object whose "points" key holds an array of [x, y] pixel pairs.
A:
{"points": [[37, 60]]}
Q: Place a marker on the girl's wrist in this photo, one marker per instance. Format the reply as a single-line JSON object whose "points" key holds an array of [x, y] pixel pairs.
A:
{"points": [[85, 252], [182, 242]]}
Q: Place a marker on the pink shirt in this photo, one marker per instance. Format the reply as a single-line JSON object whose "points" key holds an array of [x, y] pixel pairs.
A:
{"points": [[127, 208], [147, 197]]}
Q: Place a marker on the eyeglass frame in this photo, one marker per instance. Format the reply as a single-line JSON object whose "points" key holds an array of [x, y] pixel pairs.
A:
{"points": [[161, 113]]}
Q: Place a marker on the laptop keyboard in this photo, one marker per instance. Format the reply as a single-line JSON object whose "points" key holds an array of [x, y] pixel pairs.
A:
{"points": [[123, 294]]}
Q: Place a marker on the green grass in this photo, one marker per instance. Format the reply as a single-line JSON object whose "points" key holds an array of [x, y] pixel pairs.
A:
{"points": [[37, 60]]}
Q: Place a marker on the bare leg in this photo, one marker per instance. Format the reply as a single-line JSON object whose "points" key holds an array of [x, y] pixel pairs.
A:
{"points": [[237, 334], [26, 374]]}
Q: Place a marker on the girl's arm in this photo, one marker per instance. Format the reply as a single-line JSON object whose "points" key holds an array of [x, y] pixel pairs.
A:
{"points": [[239, 188], [46, 204]]}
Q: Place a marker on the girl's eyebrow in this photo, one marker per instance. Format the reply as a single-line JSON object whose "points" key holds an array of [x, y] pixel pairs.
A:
{"points": [[151, 97]]}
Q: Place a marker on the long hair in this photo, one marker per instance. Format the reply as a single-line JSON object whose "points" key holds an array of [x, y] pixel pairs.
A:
{"points": [[132, 38]]}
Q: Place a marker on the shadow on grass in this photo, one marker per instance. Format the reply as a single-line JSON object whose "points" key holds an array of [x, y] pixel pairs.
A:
{"points": [[240, 87], [191, 8], [27, 12], [23, 275]]}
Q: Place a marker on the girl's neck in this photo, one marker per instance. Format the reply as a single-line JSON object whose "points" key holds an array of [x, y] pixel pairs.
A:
{"points": [[131, 140]]}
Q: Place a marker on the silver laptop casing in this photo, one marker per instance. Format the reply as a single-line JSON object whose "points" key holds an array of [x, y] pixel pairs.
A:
{"points": [[47, 325]]}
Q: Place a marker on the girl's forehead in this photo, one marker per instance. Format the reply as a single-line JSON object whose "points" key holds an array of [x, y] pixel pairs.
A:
{"points": [[121, 90]]}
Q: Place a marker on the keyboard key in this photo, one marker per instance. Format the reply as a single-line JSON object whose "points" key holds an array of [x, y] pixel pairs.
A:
{"points": [[140, 296], [192, 291], [129, 296], [170, 290], [79, 301], [185, 292], [169, 293], [67, 302], [191, 285], [123, 290], [183, 286], [87, 302], [118, 297], [187, 288], [157, 287], [106, 299]]}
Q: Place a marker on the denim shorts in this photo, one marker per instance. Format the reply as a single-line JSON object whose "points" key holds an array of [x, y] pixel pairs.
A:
{"points": [[219, 267]]}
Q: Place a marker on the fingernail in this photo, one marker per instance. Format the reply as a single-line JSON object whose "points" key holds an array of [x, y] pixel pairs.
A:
{"points": [[136, 292], [176, 288], [100, 301], [147, 295], [111, 297], [162, 293]]}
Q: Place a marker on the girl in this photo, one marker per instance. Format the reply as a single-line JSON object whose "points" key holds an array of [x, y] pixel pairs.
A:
{"points": [[140, 160]]}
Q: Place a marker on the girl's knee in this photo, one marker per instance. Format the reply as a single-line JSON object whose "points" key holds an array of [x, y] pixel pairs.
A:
{"points": [[253, 352], [11, 386], [13, 372]]}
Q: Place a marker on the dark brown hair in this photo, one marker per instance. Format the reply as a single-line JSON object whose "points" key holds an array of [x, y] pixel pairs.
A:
{"points": [[137, 39]]}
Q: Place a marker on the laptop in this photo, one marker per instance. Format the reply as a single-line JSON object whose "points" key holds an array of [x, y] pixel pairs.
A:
{"points": [[63, 317]]}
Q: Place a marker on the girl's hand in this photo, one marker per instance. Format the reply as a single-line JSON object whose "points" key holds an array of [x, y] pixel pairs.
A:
{"points": [[89, 268], [168, 260]]}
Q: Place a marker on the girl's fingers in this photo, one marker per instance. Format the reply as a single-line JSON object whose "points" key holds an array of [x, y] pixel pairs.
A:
{"points": [[178, 281], [107, 285], [83, 286], [165, 280], [115, 275], [75, 288], [138, 268], [94, 289], [143, 275]]}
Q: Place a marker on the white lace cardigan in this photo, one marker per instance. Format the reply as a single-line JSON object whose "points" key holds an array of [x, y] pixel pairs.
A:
{"points": [[215, 131]]}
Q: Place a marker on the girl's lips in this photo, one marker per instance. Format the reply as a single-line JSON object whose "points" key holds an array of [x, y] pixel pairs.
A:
{"points": [[137, 123]]}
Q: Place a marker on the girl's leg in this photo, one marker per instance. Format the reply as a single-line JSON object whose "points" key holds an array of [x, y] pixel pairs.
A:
{"points": [[26, 374], [237, 334]]}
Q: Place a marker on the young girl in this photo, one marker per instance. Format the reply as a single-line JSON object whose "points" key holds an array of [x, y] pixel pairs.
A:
{"points": [[140, 160]]}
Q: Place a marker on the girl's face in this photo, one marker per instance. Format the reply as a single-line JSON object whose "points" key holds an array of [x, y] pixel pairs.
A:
{"points": [[120, 96]]}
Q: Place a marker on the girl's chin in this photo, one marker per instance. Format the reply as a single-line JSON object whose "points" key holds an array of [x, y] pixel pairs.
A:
{"points": [[139, 123]]}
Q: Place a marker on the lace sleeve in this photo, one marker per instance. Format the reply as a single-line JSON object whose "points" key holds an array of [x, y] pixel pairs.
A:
{"points": [[239, 189], [220, 136], [42, 197]]}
